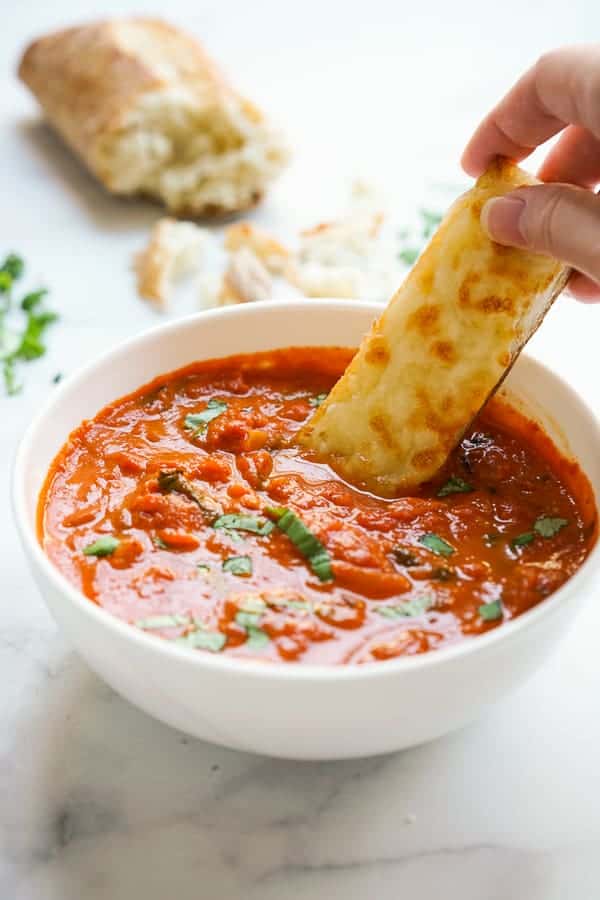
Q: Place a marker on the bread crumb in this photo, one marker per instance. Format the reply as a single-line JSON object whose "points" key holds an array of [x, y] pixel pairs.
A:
{"points": [[273, 254], [245, 280], [175, 249]]}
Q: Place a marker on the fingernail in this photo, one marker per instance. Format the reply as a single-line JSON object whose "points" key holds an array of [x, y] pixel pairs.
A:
{"points": [[501, 217]]}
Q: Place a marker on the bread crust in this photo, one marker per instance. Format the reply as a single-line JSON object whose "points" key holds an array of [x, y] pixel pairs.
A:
{"points": [[91, 81]]}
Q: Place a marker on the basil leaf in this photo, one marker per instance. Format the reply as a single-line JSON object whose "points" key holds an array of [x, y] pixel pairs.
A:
{"points": [[489, 612], [548, 526], [257, 638], [174, 481], [104, 546], [307, 543], [252, 603], [158, 542], [204, 640], [454, 485], [162, 622], [198, 422], [203, 567], [318, 400], [415, 607], [13, 265], [436, 544], [244, 523], [238, 565], [248, 619], [523, 539]]}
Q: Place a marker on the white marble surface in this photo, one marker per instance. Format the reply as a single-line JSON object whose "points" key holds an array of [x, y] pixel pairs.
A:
{"points": [[99, 802]]}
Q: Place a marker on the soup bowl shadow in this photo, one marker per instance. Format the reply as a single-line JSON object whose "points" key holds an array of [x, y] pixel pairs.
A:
{"points": [[289, 710]]}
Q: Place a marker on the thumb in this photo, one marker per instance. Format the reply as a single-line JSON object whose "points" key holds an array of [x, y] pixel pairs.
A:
{"points": [[558, 220]]}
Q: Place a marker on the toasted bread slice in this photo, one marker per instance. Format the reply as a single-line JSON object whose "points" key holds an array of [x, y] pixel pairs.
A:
{"points": [[446, 340]]}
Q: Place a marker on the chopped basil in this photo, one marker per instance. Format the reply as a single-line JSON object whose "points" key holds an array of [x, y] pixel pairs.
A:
{"points": [[454, 485], [158, 542], [203, 567], [198, 422], [257, 638], [415, 607], [204, 640], [162, 622], [409, 255], [436, 544], [253, 603], [238, 565], [430, 220], [405, 557], [13, 266], [58, 377], [548, 526], [234, 522], [316, 401], [526, 537], [30, 301], [307, 543], [175, 482], [248, 619], [104, 546], [489, 612]]}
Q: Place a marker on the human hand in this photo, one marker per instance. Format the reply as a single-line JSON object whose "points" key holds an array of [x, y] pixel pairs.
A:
{"points": [[560, 93]]}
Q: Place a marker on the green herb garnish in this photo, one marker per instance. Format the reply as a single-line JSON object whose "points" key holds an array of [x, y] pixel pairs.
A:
{"points": [[238, 565], [104, 546], [436, 544], [176, 482], [13, 266], [415, 607], [257, 639], [235, 522], [430, 220], [316, 401], [521, 540], [198, 422], [548, 526], [454, 485], [248, 619], [30, 301], [204, 640], [409, 255], [489, 612], [307, 543], [162, 622]]}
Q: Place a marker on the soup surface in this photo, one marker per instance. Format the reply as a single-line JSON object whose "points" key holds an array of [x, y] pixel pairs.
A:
{"points": [[187, 510]]}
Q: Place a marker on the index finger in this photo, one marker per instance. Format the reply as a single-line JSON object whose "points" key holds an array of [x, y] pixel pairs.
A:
{"points": [[562, 88]]}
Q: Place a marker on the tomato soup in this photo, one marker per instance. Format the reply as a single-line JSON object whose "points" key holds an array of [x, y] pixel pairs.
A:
{"points": [[188, 510]]}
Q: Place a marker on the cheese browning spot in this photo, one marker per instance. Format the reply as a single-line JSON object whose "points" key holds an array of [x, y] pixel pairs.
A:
{"points": [[495, 304], [378, 352], [425, 318], [445, 351]]}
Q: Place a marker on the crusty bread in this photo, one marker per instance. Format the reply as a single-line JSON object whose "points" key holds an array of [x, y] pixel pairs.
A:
{"points": [[175, 249], [447, 338], [149, 113]]}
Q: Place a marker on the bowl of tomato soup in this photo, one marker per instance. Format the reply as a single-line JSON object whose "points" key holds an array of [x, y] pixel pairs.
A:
{"points": [[233, 586]]}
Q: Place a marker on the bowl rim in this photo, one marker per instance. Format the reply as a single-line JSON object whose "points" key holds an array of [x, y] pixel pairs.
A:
{"points": [[253, 668]]}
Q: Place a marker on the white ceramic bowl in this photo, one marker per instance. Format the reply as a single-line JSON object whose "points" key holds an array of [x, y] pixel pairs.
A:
{"points": [[287, 710]]}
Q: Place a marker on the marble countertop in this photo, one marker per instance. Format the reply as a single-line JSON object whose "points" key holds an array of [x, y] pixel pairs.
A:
{"points": [[98, 801]]}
